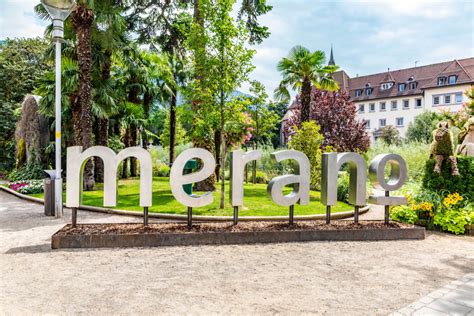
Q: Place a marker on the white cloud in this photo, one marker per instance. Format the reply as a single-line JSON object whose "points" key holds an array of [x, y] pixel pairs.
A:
{"points": [[433, 9], [18, 19]]}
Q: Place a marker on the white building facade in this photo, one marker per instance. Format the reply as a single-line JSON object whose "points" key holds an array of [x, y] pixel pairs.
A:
{"points": [[397, 97]]}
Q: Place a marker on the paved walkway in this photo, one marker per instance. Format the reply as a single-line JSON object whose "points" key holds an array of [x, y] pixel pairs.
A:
{"points": [[456, 298], [329, 278]]}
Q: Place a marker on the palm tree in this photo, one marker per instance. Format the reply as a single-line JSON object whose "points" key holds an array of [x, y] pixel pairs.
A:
{"points": [[300, 70]]}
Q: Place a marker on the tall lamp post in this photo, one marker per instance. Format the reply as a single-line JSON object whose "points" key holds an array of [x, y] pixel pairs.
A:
{"points": [[58, 10]]}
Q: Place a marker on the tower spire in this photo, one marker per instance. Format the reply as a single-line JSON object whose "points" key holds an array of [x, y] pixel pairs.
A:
{"points": [[331, 58]]}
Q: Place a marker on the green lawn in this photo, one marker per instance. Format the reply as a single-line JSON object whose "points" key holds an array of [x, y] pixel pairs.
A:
{"points": [[257, 203]]}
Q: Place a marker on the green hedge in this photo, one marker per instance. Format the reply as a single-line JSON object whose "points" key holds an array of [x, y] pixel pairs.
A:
{"points": [[463, 184]]}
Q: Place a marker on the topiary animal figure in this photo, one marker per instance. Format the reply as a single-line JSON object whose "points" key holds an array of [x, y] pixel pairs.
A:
{"points": [[467, 139], [442, 147]]}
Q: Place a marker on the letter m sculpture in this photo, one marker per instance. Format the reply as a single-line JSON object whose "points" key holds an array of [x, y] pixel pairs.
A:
{"points": [[76, 160]]}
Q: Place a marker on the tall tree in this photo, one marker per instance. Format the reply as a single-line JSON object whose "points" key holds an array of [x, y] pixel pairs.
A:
{"points": [[227, 64], [300, 70], [335, 113], [82, 18]]}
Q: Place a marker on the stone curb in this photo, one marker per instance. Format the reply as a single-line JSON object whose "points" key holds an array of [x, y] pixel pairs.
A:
{"points": [[338, 215]]}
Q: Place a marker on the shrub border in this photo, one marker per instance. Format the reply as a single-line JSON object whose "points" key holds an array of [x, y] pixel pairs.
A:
{"points": [[204, 218]]}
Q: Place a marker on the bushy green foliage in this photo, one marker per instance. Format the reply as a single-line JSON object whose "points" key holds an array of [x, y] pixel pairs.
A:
{"points": [[7, 130], [161, 170], [31, 171], [308, 140], [454, 220], [343, 187], [22, 63], [390, 135], [404, 214], [462, 184], [415, 155], [420, 129], [21, 154], [261, 177]]}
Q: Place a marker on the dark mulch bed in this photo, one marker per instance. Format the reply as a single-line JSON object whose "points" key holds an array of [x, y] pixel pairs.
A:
{"points": [[108, 229]]}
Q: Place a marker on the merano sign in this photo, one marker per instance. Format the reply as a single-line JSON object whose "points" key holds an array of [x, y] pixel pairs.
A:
{"points": [[331, 163]]}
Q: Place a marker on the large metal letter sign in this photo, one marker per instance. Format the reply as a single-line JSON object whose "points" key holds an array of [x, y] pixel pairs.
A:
{"points": [[177, 179], [331, 163], [398, 175], [300, 191], [238, 160], [76, 160]]}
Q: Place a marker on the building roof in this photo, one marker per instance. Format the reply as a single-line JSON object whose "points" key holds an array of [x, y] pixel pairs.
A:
{"points": [[425, 77]]}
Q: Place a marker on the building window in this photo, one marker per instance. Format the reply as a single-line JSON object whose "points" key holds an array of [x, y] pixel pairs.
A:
{"points": [[383, 122], [382, 106], [372, 107], [358, 93], [447, 99], [412, 85], [406, 104], [361, 108], [401, 87], [436, 100], [386, 86], [399, 121], [394, 105], [368, 91], [441, 81], [458, 97], [367, 123], [452, 79], [418, 103]]}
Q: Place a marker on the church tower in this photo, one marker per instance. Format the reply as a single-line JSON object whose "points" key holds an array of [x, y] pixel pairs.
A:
{"points": [[331, 59]]}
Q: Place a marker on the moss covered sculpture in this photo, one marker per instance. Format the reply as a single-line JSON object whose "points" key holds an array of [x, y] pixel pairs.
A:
{"points": [[467, 139], [442, 148]]}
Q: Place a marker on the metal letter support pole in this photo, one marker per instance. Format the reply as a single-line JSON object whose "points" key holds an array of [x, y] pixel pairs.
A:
{"points": [[145, 216], [387, 209], [190, 217], [328, 214], [74, 216], [356, 214], [58, 184], [292, 214], [236, 215]]}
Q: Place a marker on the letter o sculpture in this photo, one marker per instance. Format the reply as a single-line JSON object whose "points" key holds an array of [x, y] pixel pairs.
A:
{"points": [[398, 174]]}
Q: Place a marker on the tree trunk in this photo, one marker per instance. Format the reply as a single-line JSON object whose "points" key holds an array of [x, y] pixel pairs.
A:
{"points": [[126, 142], [305, 100], [217, 146], [101, 128], [199, 53], [254, 166], [76, 121], [101, 131], [133, 142], [223, 149], [82, 19], [173, 124], [147, 101]]}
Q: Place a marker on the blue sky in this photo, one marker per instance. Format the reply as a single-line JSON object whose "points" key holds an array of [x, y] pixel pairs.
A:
{"points": [[368, 36]]}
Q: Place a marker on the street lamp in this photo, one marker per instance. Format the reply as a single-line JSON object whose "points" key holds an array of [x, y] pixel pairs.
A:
{"points": [[58, 10]]}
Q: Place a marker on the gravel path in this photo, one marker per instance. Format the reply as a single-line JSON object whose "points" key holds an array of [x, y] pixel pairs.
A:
{"points": [[317, 277]]}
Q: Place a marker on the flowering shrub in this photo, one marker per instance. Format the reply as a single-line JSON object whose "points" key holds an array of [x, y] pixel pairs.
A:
{"points": [[27, 187], [404, 214], [451, 213], [454, 215]]}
